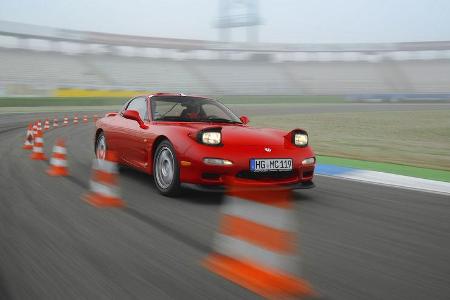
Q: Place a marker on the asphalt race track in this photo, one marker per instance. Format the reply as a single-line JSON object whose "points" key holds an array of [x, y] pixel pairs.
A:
{"points": [[358, 241]]}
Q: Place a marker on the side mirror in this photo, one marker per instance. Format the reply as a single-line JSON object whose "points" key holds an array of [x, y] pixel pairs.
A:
{"points": [[134, 115], [244, 119]]}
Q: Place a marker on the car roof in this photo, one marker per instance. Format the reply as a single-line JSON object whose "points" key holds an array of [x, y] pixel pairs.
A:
{"points": [[175, 95]]}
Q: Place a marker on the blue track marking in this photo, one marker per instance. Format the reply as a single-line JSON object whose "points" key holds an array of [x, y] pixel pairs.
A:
{"points": [[332, 170]]}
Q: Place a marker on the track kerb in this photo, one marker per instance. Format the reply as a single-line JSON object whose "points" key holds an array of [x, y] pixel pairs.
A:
{"points": [[256, 243], [104, 187]]}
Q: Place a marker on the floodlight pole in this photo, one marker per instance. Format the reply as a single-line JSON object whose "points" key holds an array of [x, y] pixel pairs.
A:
{"points": [[248, 18]]}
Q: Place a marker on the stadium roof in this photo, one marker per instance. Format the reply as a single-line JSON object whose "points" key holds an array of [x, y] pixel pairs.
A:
{"points": [[21, 30]]}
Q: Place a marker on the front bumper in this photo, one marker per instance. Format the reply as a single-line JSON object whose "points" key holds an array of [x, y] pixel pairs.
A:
{"points": [[223, 188], [193, 169]]}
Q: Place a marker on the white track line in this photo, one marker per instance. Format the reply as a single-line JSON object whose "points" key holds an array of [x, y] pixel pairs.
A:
{"points": [[444, 191]]}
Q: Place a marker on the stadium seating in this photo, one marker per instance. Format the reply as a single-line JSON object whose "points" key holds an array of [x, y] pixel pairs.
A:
{"points": [[138, 72], [244, 77], [45, 68], [247, 77]]}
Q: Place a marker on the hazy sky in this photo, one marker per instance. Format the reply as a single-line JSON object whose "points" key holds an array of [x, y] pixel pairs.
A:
{"points": [[292, 21]]}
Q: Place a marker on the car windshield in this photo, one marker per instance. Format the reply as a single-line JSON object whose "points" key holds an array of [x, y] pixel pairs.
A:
{"points": [[190, 109]]}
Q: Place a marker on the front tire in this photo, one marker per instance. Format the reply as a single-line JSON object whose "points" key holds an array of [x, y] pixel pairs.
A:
{"points": [[166, 172], [100, 146]]}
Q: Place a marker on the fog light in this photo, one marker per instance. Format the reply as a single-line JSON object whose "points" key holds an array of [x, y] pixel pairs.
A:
{"points": [[309, 161], [217, 162]]}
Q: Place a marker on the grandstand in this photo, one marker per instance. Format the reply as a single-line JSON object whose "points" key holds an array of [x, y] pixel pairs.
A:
{"points": [[207, 67]]}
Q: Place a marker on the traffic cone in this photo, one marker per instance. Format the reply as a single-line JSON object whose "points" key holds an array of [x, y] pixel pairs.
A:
{"points": [[104, 189], [55, 122], [28, 144], [66, 121], [46, 125], [85, 119], [39, 125], [35, 129], [95, 118], [75, 119], [255, 246], [38, 147], [58, 161]]}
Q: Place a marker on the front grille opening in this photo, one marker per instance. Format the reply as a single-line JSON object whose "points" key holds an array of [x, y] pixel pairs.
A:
{"points": [[308, 174], [211, 176], [267, 175]]}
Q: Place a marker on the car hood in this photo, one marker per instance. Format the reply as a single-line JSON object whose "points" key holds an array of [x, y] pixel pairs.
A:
{"points": [[236, 134], [245, 135]]}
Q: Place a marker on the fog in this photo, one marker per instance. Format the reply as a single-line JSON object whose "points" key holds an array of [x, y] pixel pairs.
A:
{"points": [[293, 21]]}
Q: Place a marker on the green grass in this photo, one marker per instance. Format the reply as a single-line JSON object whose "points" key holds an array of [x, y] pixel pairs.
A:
{"points": [[415, 138], [279, 99], [51, 109], [56, 101], [98, 101], [386, 167]]}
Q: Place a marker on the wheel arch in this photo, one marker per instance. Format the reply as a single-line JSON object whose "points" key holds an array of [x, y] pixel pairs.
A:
{"points": [[97, 133], [155, 144], [157, 141]]}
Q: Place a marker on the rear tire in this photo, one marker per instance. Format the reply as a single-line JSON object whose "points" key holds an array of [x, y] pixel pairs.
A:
{"points": [[166, 171]]}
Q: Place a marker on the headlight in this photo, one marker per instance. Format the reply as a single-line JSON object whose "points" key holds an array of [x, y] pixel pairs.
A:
{"points": [[301, 139], [211, 137]]}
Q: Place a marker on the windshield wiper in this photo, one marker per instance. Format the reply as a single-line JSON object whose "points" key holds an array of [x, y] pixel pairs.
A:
{"points": [[163, 115]]}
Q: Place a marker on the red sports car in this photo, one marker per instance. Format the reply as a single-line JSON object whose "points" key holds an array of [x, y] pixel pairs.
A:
{"points": [[197, 141]]}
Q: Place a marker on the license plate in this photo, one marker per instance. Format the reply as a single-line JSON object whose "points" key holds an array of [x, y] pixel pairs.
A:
{"points": [[270, 164]]}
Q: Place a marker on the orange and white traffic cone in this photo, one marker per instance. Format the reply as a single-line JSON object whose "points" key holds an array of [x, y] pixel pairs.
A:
{"points": [[28, 144], [95, 118], [55, 122], [75, 119], [38, 147], [66, 121], [39, 125], [255, 246], [85, 119], [46, 125], [104, 188], [58, 161], [35, 130]]}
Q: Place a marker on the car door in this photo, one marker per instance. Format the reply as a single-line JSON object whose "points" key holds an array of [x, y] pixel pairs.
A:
{"points": [[135, 140], [115, 131]]}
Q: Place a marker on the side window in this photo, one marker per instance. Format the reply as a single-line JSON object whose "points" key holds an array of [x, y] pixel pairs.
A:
{"points": [[140, 105]]}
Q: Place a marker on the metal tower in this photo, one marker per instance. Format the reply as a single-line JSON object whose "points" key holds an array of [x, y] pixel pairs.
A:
{"points": [[238, 13]]}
